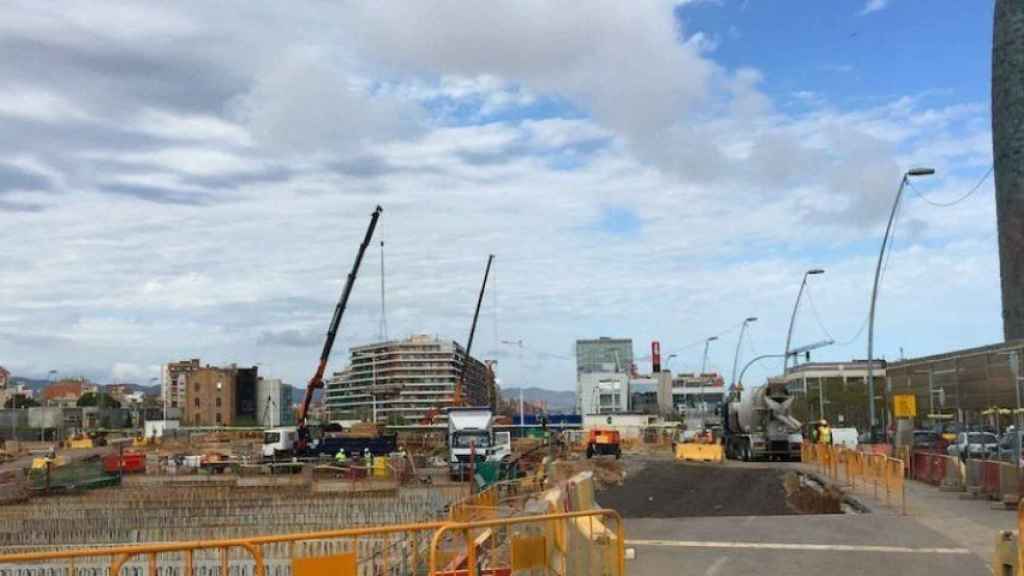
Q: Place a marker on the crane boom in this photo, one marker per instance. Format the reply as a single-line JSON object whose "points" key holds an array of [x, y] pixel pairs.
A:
{"points": [[317, 381], [472, 332]]}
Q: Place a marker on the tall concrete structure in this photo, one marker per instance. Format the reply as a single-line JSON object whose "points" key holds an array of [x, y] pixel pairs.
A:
{"points": [[216, 396], [405, 380], [1008, 151]]}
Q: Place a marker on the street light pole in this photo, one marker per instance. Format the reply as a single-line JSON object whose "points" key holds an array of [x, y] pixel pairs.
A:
{"points": [[736, 356], [792, 318], [703, 369], [874, 291]]}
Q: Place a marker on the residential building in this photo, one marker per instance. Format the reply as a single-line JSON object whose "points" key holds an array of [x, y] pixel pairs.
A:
{"points": [[67, 391], [172, 381], [602, 393], [604, 355], [407, 380], [273, 402], [221, 396]]}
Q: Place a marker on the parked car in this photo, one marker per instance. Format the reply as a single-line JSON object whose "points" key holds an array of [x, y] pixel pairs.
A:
{"points": [[974, 445], [1010, 447], [926, 440]]}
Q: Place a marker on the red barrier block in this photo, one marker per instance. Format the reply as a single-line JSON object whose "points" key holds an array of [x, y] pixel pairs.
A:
{"points": [[990, 478]]}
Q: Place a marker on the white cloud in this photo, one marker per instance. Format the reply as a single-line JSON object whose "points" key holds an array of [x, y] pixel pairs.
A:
{"points": [[37, 104], [874, 6], [208, 202]]}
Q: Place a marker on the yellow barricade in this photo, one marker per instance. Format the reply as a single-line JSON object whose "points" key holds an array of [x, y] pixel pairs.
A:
{"points": [[886, 475], [700, 452]]}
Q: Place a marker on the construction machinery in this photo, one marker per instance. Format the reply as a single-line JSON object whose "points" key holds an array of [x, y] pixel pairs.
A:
{"points": [[304, 440], [602, 441], [472, 331], [758, 424]]}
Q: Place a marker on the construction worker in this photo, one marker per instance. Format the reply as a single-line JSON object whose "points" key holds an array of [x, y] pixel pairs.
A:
{"points": [[340, 458], [367, 457], [824, 432], [401, 452]]}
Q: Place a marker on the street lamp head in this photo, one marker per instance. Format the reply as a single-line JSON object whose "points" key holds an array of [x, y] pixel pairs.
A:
{"points": [[920, 171], [712, 339], [813, 271], [751, 319]]}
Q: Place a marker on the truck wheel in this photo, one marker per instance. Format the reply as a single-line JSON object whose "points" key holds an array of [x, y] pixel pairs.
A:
{"points": [[590, 452]]}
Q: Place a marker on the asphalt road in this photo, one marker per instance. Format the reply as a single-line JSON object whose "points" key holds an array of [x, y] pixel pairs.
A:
{"points": [[703, 536], [848, 544]]}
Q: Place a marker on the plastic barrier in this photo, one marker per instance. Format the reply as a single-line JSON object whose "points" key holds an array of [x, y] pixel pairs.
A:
{"points": [[1009, 483], [700, 452], [972, 477], [990, 478], [954, 477]]}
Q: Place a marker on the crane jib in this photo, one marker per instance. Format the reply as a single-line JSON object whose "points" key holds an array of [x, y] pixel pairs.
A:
{"points": [[339, 311]]}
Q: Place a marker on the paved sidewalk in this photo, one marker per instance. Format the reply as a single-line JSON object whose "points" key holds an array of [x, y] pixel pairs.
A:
{"points": [[971, 523]]}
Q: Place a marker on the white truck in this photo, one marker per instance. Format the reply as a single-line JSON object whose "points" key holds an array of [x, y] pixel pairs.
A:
{"points": [[279, 442], [472, 439]]}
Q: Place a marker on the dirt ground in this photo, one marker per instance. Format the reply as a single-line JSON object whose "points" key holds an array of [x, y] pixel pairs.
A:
{"points": [[664, 488]]}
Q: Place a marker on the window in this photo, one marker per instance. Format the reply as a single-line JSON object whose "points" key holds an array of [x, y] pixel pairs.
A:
{"points": [[218, 402], [218, 417], [197, 402]]}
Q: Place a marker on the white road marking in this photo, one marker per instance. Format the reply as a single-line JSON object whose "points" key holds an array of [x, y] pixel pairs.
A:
{"points": [[783, 546], [716, 566]]}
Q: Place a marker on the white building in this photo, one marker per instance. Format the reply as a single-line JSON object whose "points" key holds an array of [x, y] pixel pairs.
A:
{"points": [[602, 393], [273, 402]]}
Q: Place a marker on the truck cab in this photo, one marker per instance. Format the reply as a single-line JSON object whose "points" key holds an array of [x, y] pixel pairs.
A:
{"points": [[471, 440], [279, 442]]}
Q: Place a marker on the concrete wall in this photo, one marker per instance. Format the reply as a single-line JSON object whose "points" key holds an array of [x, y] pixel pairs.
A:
{"points": [[1008, 149]]}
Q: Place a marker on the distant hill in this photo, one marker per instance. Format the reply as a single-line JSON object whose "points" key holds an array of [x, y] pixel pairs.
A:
{"points": [[555, 400]]}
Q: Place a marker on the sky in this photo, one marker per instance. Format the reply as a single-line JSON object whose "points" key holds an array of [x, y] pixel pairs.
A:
{"points": [[193, 179]]}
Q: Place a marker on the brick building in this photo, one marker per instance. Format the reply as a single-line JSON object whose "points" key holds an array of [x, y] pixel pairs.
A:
{"points": [[216, 396]]}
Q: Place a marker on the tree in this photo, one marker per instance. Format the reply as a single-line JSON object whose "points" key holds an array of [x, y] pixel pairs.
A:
{"points": [[99, 400], [20, 401]]}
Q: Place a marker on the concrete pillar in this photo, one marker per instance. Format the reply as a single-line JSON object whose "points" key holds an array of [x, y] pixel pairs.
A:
{"points": [[1008, 150]]}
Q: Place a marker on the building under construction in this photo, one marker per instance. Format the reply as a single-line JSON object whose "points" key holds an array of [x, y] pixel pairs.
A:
{"points": [[405, 381]]}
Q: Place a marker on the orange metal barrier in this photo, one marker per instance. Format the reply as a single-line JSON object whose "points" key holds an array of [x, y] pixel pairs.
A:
{"points": [[582, 542], [567, 543], [342, 552], [883, 473]]}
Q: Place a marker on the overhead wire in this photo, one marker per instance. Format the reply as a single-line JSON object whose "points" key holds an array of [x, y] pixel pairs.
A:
{"points": [[976, 187]]}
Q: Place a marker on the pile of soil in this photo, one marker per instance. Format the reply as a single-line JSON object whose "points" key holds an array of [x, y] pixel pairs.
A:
{"points": [[607, 472], [668, 489]]}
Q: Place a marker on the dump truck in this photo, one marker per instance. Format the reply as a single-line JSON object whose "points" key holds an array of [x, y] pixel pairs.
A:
{"points": [[758, 424], [603, 442]]}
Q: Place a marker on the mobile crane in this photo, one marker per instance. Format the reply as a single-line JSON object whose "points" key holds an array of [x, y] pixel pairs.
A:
{"points": [[317, 381]]}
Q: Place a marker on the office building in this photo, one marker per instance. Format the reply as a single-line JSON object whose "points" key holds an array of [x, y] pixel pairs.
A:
{"points": [[604, 355]]}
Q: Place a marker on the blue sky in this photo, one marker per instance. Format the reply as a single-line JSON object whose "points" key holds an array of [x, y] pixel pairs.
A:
{"points": [[192, 180]]}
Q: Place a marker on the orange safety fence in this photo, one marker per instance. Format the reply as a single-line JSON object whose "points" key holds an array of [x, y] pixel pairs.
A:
{"points": [[580, 542], [565, 543], [883, 474]]}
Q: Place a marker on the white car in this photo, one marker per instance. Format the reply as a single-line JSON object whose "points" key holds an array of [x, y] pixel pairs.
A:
{"points": [[974, 445]]}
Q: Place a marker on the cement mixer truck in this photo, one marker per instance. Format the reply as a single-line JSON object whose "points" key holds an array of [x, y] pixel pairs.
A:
{"points": [[758, 424]]}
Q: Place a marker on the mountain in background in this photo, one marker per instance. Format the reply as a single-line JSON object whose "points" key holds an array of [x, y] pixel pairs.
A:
{"points": [[555, 400]]}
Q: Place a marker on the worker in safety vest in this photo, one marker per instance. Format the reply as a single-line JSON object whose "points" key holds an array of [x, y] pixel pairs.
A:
{"points": [[824, 433], [340, 457]]}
